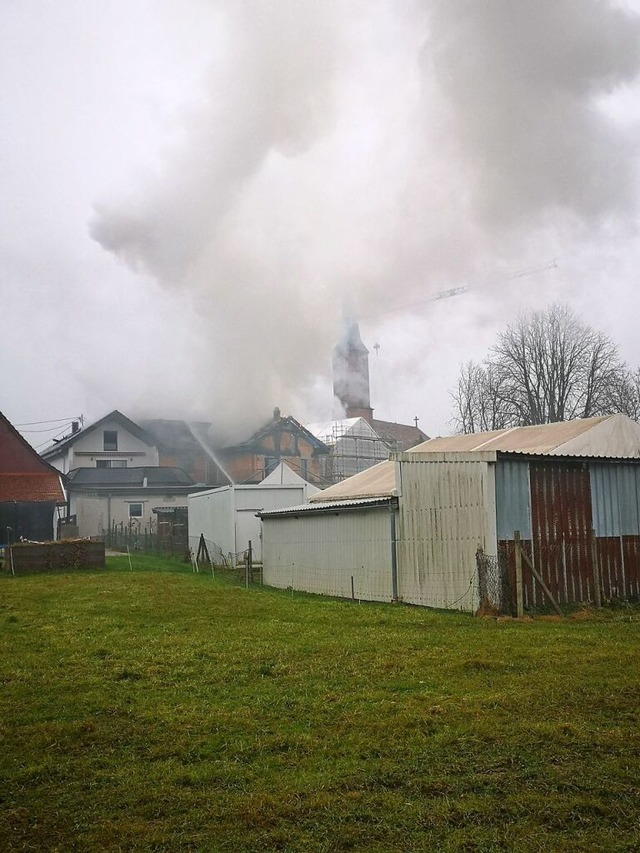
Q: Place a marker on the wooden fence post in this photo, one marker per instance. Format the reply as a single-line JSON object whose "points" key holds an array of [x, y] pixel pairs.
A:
{"points": [[519, 592], [597, 584]]}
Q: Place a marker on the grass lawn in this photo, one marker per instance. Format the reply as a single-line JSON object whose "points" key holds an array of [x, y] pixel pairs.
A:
{"points": [[167, 711]]}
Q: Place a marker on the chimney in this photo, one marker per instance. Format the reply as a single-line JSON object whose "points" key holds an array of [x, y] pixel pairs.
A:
{"points": [[75, 427]]}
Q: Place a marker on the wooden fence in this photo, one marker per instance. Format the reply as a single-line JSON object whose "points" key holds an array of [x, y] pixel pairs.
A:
{"points": [[31, 557]]}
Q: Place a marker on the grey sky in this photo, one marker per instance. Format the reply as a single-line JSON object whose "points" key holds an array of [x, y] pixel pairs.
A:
{"points": [[192, 191]]}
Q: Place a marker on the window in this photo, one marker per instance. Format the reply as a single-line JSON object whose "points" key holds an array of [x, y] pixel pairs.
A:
{"points": [[111, 463], [135, 510], [270, 463], [110, 440], [304, 469]]}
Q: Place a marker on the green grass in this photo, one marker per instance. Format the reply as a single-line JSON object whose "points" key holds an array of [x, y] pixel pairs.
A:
{"points": [[167, 711]]}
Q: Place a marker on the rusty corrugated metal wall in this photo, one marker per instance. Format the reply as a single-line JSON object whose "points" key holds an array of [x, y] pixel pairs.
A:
{"points": [[555, 505]]}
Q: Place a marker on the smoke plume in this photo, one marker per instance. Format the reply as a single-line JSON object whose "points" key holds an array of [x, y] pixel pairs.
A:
{"points": [[376, 151]]}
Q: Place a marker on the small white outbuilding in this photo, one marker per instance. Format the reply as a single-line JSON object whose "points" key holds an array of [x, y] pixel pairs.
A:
{"points": [[226, 516]]}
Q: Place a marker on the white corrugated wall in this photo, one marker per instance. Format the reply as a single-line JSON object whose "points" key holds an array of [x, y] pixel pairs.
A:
{"points": [[341, 553], [212, 513], [446, 512]]}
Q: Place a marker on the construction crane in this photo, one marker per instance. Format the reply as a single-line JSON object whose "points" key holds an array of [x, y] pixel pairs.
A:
{"points": [[463, 288]]}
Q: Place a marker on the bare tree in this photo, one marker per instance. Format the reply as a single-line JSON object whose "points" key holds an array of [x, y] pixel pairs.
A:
{"points": [[546, 367]]}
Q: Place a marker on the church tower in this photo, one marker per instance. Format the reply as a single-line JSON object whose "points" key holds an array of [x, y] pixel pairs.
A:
{"points": [[351, 372]]}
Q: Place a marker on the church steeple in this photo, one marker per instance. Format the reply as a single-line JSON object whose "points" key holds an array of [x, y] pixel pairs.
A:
{"points": [[351, 372]]}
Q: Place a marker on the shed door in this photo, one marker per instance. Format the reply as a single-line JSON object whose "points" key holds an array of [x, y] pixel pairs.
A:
{"points": [[561, 526]]}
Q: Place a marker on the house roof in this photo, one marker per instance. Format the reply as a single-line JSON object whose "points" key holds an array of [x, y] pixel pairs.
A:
{"points": [[157, 477], [24, 476], [279, 422], [170, 435], [330, 432], [400, 436], [607, 437], [66, 442], [31, 488]]}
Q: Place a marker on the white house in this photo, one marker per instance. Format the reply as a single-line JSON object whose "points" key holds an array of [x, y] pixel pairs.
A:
{"points": [[114, 477], [112, 442]]}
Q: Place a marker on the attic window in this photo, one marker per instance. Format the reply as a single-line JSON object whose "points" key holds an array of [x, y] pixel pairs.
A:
{"points": [[110, 440], [111, 463], [270, 464]]}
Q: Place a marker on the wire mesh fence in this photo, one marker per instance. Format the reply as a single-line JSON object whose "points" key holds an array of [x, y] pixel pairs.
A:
{"points": [[493, 583]]}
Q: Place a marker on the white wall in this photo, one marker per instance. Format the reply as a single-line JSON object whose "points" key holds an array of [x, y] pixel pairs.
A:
{"points": [[322, 552], [227, 516], [94, 512], [446, 512], [89, 446]]}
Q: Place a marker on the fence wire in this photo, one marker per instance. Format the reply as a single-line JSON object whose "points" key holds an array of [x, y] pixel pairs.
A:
{"points": [[493, 584]]}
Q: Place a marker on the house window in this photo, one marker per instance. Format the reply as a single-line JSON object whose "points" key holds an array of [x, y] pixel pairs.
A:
{"points": [[135, 510], [304, 468], [111, 463], [110, 440], [270, 463]]}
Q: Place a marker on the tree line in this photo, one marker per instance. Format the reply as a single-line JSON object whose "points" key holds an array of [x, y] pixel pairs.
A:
{"points": [[546, 367]]}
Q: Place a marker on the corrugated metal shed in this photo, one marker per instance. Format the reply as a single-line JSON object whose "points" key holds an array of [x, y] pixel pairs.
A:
{"points": [[465, 496], [346, 549]]}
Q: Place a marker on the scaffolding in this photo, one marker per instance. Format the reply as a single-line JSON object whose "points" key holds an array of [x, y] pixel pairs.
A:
{"points": [[354, 448]]}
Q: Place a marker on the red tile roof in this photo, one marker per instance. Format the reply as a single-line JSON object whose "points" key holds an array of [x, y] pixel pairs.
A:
{"points": [[24, 476], [31, 488]]}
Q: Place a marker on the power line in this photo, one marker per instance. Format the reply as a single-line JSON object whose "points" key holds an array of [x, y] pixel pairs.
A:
{"points": [[51, 421]]}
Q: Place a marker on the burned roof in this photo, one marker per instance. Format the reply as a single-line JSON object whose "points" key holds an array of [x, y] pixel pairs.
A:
{"points": [[173, 435]]}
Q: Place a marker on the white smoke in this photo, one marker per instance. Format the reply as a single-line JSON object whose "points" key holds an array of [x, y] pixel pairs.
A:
{"points": [[378, 151]]}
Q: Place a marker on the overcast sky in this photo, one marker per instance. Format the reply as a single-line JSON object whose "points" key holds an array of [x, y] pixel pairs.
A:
{"points": [[193, 191]]}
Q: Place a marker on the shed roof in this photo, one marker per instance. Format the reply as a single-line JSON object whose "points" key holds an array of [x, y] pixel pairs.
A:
{"points": [[375, 482], [606, 437], [327, 506]]}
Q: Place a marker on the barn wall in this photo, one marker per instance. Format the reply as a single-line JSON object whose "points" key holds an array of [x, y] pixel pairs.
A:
{"points": [[96, 513], [447, 512], [320, 552]]}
